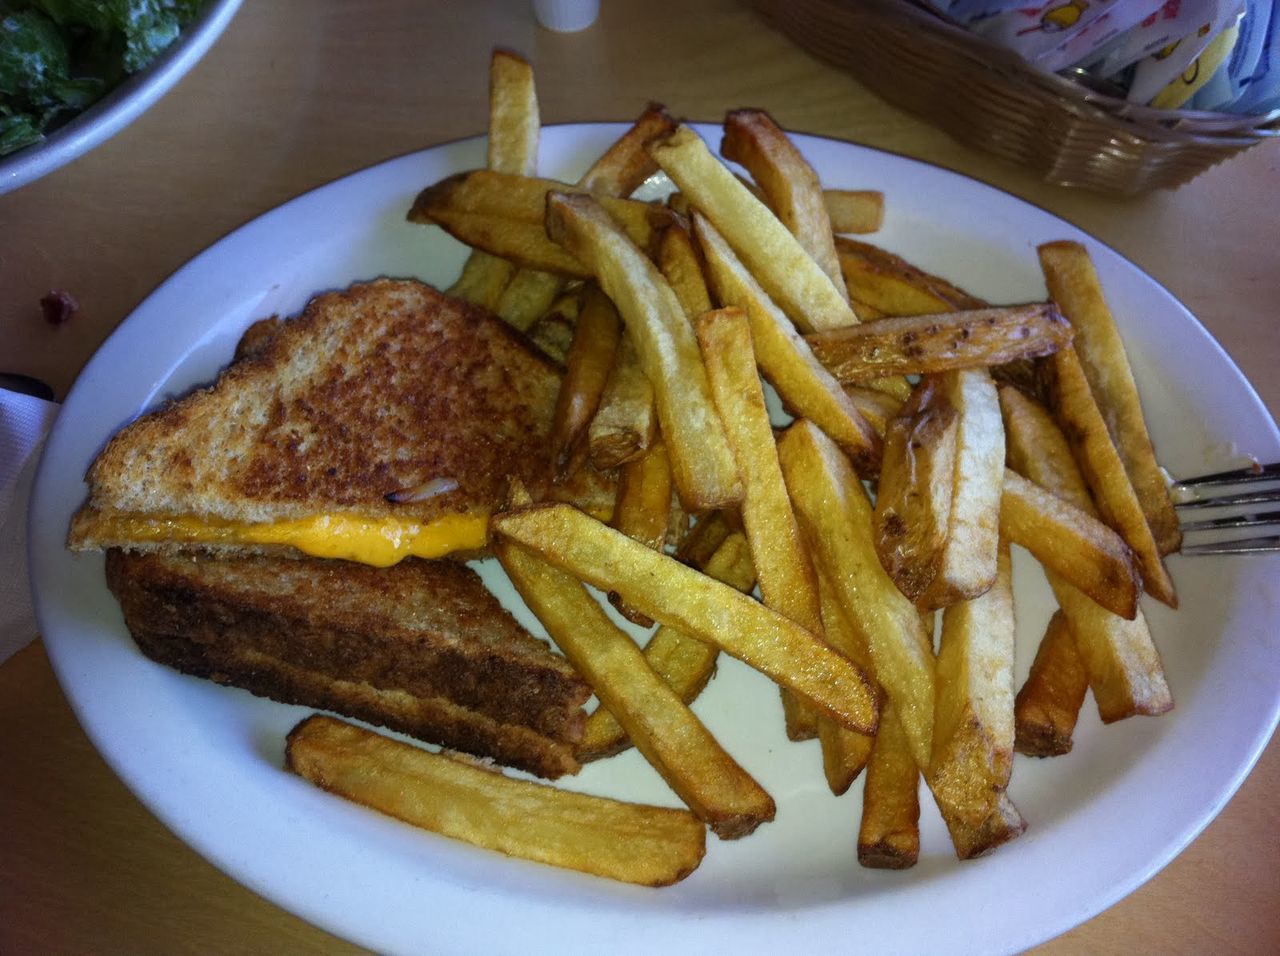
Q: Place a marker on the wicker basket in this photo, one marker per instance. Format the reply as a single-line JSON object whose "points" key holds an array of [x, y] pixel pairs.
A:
{"points": [[987, 97]]}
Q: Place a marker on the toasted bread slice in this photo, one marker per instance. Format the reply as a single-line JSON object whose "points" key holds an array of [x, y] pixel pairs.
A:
{"points": [[387, 410], [422, 647]]}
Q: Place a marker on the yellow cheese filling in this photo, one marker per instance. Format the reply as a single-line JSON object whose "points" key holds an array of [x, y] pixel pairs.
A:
{"points": [[380, 542]]}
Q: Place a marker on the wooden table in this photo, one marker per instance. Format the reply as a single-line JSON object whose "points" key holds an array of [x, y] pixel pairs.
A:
{"points": [[298, 93]]}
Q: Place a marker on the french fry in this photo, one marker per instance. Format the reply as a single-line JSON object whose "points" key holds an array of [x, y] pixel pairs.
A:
{"points": [[1077, 546], [799, 719], [1003, 824], [554, 332], [659, 724], [513, 148], [968, 563], [889, 834], [625, 421], [1125, 673], [973, 714], [684, 662], [854, 210], [913, 345], [1047, 706], [701, 462], [1073, 405], [643, 510], [680, 597], [590, 359], [791, 187], [895, 287], [912, 516], [804, 385], [834, 511], [777, 260], [875, 406], [1073, 284], [844, 752], [505, 215], [618, 172], [681, 264], [651, 846]]}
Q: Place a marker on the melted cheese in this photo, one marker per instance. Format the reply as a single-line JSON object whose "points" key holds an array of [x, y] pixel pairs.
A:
{"points": [[380, 542]]}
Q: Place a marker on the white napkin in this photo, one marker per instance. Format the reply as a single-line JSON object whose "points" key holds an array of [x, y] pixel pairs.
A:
{"points": [[24, 421]]}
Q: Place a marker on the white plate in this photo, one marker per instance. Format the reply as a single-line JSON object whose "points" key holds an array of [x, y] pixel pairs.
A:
{"points": [[207, 760], [121, 106]]}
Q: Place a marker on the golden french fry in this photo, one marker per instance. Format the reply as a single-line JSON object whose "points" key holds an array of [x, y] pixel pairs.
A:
{"points": [[513, 148], [777, 260], [651, 846], [1073, 284], [1047, 706], [968, 563], [875, 406], [590, 359], [834, 512], [800, 720], [704, 538], [1073, 405], [1003, 824], [701, 462], [661, 726], [643, 510], [913, 345], [854, 210], [804, 385], [973, 713], [618, 172], [625, 422], [1077, 546], [889, 835], [791, 188], [504, 215], [844, 752], [684, 662], [912, 517], [894, 286], [681, 265], [1125, 673], [680, 597]]}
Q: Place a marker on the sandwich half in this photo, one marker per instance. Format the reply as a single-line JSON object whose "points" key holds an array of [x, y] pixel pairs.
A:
{"points": [[383, 422], [421, 647]]}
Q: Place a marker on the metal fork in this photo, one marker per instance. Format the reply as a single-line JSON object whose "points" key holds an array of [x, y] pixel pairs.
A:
{"points": [[1254, 485]]}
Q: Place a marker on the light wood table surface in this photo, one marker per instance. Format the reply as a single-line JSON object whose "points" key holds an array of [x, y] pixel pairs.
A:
{"points": [[298, 93]]}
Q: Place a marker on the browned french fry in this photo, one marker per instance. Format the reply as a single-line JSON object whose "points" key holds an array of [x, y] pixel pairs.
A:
{"points": [[801, 720], [912, 517], [968, 564], [834, 512], [660, 725], [912, 345], [791, 187], [652, 846], [553, 333], [703, 539], [894, 286], [680, 597], [513, 148], [889, 835], [777, 260], [1081, 420], [682, 266], [1071, 542], [854, 210], [804, 385], [684, 662], [643, 510], [973, 713], [625, 422], [1122, 662], [1047, 706], [505, 215], [590, 359], [701, 462], [1003, 824], [618, 172], [1073, 284]]}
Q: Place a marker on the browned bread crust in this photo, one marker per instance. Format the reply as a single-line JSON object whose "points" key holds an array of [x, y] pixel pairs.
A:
{"points": [[421, 647], [372, 390]]}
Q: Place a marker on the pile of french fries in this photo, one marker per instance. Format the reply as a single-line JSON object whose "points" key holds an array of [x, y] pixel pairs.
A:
{"points": [[931, 432]]}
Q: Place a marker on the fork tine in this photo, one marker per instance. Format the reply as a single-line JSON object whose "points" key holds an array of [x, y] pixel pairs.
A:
{"points": [[1253, 520], [1223, 501], [1238, 476], [1243, 546]]}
